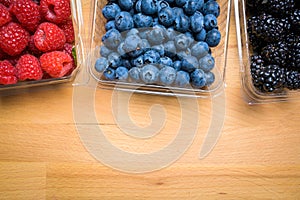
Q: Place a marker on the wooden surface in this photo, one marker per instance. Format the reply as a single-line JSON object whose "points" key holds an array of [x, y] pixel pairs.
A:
{"points": [[42, 157]]}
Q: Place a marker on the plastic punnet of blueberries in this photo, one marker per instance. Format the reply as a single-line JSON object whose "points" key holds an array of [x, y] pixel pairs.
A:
{"points": [[160, 42]]}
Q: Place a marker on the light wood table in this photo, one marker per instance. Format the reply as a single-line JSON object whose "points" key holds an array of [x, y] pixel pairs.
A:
{"points": [[42, 156]]}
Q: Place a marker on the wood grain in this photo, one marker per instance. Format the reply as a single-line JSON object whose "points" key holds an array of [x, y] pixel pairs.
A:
{"points": [[42, 156]]}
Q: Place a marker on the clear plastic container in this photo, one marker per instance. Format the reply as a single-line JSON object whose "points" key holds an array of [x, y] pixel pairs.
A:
{"points": [[97, 30], [250, 94], [77, 17]]}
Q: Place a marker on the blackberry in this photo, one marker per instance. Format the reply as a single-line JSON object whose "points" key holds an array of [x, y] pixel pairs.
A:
{"points": [[292, 38], [276, 53], [278, 7], [294, 56], [292, 80], [255, 41], [269, 78], [256, 64], [294, 18]]}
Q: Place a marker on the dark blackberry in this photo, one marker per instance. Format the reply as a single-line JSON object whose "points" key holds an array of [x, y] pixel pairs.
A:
{"points": [[292, 38], [255, 41], [294, 18], [294, 56], [292, 80], [270, 78], [256, 64], [276, 53], [278, 7]]}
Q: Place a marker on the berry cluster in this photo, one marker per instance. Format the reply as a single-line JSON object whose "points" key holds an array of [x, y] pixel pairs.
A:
{"points": [[273, 29], [164, 42], [36, 40]]}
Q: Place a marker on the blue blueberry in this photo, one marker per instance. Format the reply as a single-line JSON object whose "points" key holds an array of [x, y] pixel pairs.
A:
{"points": [[149, 74], [151, 57], [156, 35], [110, 25], [132, 31], [181, 23], [178, 11], [180, 3], [189, 63], [207, 63], [184, 53], [110, 11], [213, 37], [124, 21], [200, 49], [210, 22], [210, 78], [112, 38], [126, 63], [121, 73], [144, 44], [138, 6], [148, 7], [198, 78], [160, 49], [144, 33], [177, 65], [201, 35], [182, 79], [161, 4], [104, 51], [211, 7], [140, 20], [182, 42], [134, 74], [101, 64], [114, 60], [167, 75], [155, 21], [166, 16], [200, 4], [121, 50], [190, 37], [170, 48], [131, 43], [171, 33], [197, 22], [170, 1], [126, 4], [109, 73], [138, 62], [165, 61], [190, 7]]}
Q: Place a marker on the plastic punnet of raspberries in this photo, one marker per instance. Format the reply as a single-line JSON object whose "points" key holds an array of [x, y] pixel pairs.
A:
{"points": [[36, 40], [274, 35]]}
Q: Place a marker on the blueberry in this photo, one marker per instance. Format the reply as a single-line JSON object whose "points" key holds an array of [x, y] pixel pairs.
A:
{"points": [[144, 33], [211, 7], [170, 48], [182, 42], [210, 21], [109, 74], [200, 4], [166, 16], [156, 36], [112, 38], [148, 7], [182, 79], [132, 31], [182, 23], [160, 49], [171, 33], [207, 63], [213, 37], [198, 78], [165, 61], [189, 63], [101, 64], [201, 35], [184, 53], [110, 25], [210, 78], [149, 74], [138, 6], [121, 50], [161, 4], [178, 11], [197, 22], [138, 62], [170, 1], [155, 21], [124, 21], [180, 3], [126, 4], [177, 65], [190, 7], [144, 44], [110, 11], [190, 37], [121, 73], [114, 60], [200, 49], [104, 51], [151, 57], [141, 20], [167, 75], [134, 74], [131, 43], [126, 63]]}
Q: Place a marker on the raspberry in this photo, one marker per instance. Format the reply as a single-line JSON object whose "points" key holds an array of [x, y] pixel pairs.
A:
{"points": [[5, 15], [29, 68], [68, 49], [7, 73], [13, 38], [56, 63], [55, 11], [27, 13], [68, 29], [5, 2], [49, 37], [32, 48]]}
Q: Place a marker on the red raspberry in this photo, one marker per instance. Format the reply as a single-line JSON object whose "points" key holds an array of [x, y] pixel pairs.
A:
{"points": [[68, 49], [29, 68], [13, 38], [27, 12], [32, 48], [5, 15], [49, 37], [5, 2], [56, 63], [55, 11], [68, 29], [7, 73]]}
